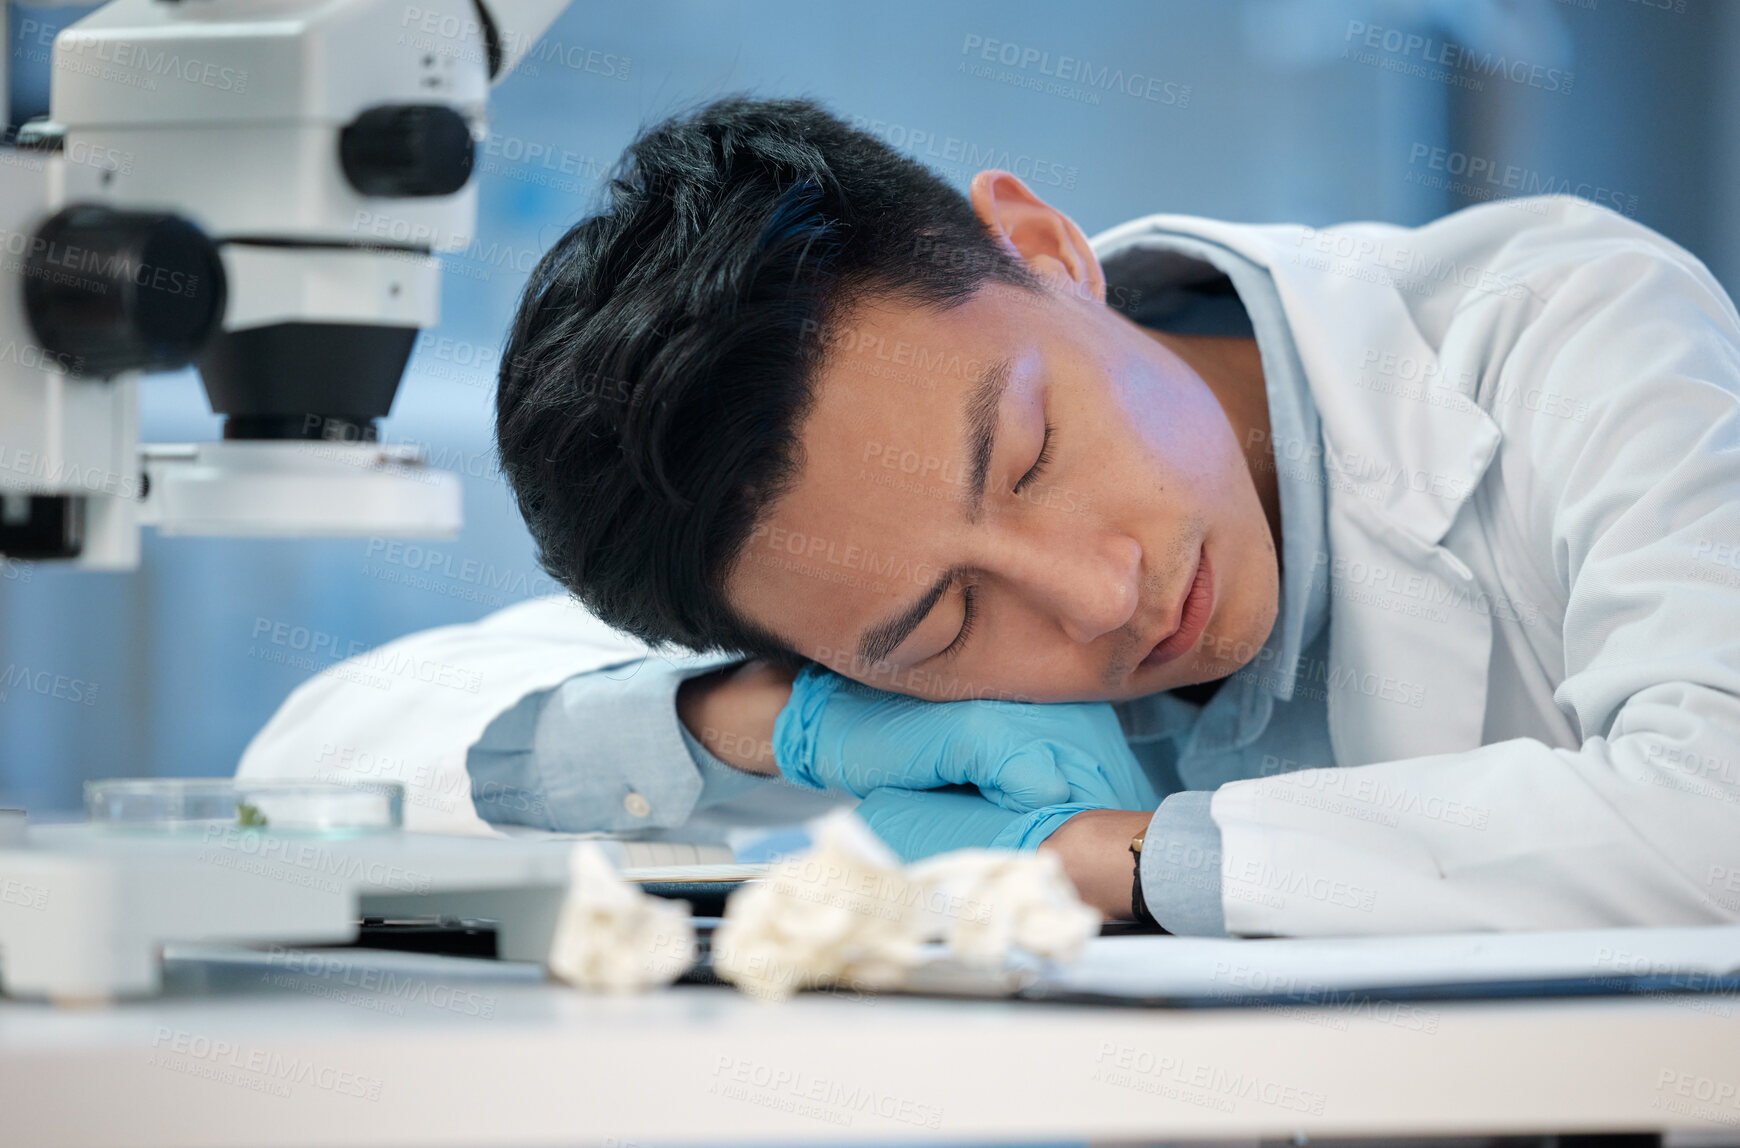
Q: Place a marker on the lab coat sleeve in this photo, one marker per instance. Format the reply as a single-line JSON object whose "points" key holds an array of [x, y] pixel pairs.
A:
{"points": [[1181, 866], [603, 750], [411, 711], [1623, 496]]}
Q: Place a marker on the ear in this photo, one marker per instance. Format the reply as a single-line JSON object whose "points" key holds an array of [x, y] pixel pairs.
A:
{"points": [[1044, 237]]}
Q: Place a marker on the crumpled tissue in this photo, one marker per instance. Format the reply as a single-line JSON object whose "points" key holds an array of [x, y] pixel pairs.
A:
{"points": [[847, 912], [998, 899], [612, 937]]}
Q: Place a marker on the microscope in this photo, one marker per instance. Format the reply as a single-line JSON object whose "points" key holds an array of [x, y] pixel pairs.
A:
{"points": [[260, 189]]}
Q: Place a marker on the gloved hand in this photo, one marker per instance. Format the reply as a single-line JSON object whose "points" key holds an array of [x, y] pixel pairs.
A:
{"points": [[835, 733], [918, 823]]}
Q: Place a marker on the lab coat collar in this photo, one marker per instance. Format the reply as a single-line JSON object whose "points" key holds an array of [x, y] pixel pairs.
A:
{"points": [[1415, 461], [1397, 467]]}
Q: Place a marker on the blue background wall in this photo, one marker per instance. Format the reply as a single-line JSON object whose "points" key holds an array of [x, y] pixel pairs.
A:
{"points": [[1266, 110]]}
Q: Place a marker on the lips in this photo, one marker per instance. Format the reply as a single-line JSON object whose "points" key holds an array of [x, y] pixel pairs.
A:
{"points": [[1192, 616]]}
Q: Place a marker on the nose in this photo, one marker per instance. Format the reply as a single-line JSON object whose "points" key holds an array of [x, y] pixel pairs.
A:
{"points": [[1089, 580]]}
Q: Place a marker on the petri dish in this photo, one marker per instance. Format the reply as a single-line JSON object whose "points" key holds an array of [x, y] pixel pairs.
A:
{"points": [[200, 805]]}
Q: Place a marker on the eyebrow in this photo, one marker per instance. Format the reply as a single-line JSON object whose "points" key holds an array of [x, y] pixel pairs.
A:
{"points": [[885, 637], [982, 404]]}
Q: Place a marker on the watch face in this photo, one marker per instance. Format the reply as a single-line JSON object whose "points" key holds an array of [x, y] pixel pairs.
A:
{"points": [[1136, 841]]}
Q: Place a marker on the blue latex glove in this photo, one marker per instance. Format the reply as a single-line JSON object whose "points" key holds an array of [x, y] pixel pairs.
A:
{"points": [[918, 823], [835, 733]]}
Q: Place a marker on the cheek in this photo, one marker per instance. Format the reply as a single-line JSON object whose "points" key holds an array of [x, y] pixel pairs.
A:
{"points": [[1176, 436], [1019, 654]]}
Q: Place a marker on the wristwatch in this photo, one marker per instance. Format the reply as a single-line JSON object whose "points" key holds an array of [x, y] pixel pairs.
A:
{"points": [[1138, 903]]}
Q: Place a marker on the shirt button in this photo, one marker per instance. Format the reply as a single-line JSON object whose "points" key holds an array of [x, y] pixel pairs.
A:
{"points": [[637, 805]]}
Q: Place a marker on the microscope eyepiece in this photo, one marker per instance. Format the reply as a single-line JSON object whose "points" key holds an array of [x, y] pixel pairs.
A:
{"points": [[121, 291], [407, 150]]}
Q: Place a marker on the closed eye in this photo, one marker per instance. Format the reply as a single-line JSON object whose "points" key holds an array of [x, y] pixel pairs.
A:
{"points": [[970, 612], [1040, 463]]}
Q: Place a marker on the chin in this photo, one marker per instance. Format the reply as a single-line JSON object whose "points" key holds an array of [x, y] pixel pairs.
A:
{"points": [[1233, 641]]}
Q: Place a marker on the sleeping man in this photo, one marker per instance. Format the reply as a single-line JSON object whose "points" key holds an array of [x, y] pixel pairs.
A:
{"points": [[1283, 581]]}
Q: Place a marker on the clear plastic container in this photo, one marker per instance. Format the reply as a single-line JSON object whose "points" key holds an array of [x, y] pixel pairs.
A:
{"points": [[176, 805]]}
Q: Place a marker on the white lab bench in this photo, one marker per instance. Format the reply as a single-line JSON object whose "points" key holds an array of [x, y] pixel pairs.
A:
{"points": [[355, 1048]]}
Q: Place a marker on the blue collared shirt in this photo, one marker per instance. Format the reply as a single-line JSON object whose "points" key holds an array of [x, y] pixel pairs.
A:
{"points": [[604, 750]]}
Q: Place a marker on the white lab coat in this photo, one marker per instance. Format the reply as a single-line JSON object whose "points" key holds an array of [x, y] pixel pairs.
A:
{"points": [[1531, 439], [340, 725]]}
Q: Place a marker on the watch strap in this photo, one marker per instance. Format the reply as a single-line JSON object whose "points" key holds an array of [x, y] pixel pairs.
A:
{"points": [[1138, 903]]}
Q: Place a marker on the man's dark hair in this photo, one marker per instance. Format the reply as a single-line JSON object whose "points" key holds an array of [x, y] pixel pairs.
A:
{"points": [[664, 353]]}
